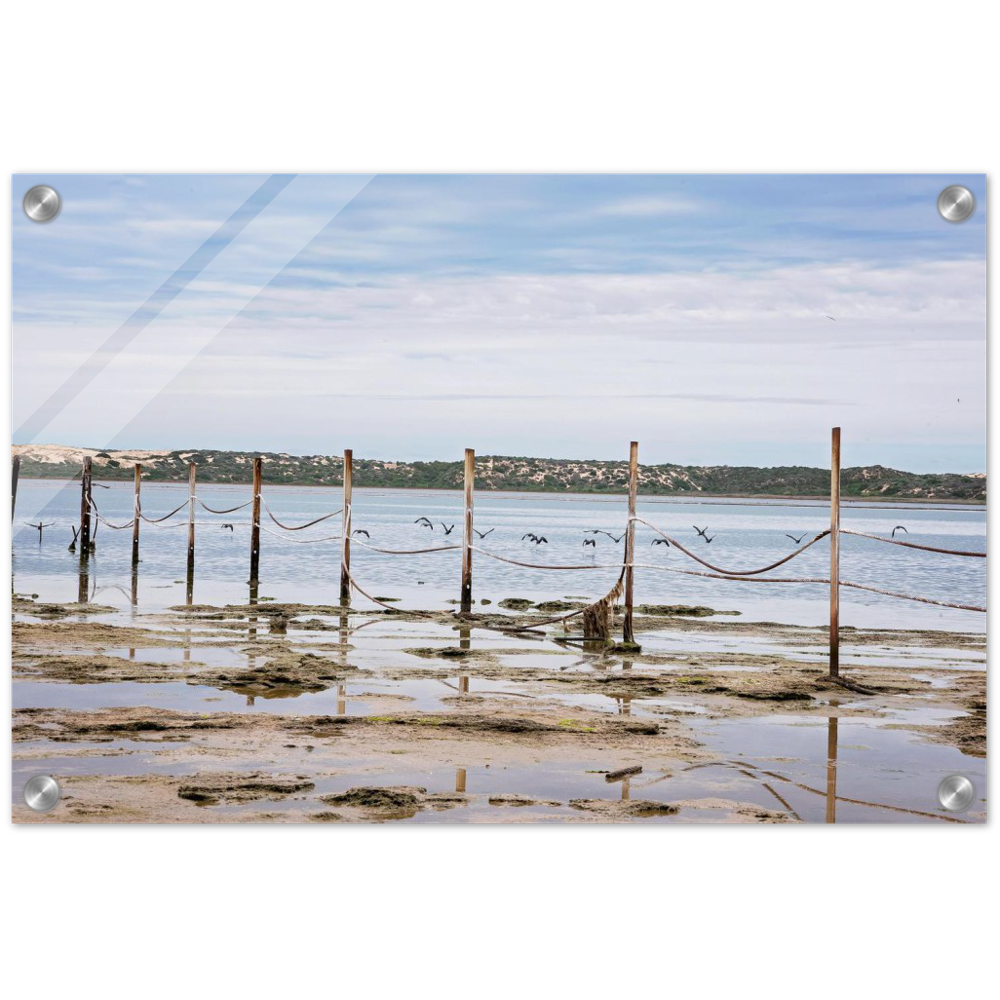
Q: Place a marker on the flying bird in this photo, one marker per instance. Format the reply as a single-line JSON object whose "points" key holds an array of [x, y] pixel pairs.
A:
{"points": [[590, 541], [598, 531], [447, 530], [534, 538], [541, 539], [796, 540], [361, 531], [483, 534], [830, 317], [426, 522], [39, 526], [701, 531], [707, 539], [229, 526], [660, 541], [898, 527]]}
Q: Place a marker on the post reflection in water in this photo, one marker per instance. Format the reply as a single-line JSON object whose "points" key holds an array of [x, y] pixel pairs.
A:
{"points": [[341, 699], [463, 684], [253, 619], [831, 766], [459, 779]]}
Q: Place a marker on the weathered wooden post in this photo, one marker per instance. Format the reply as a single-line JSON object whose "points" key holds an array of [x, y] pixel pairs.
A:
{"points": [[345, 543], [470, 483], [628, 635], [136, 483], [85, 491], [15, 470], [192, 499], [192, 483], [255, 525], [835, 553]]}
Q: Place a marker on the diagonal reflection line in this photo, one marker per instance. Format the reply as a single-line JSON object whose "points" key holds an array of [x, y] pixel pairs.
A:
{"points": [[152, 307], [48, 507]]}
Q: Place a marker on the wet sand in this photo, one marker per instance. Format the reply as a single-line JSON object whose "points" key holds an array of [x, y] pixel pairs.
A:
{"points": [[300, 713]]}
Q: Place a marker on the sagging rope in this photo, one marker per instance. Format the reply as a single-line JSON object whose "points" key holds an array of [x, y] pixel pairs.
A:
{"points": [[104, 520], [157, 520], [732, 572], [300, 541], [299, 527], [912, 545], [228, 510], [405, 552]]}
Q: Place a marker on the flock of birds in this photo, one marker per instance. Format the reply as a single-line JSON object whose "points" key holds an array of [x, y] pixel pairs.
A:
{"points": [[530, 536]]}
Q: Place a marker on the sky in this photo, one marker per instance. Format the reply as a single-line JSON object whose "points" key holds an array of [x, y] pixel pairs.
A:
{"points": [[716, 319]]}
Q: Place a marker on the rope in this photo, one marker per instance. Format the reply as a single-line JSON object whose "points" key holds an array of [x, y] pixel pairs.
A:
{"points": [[404, 552], [228, 510], [104, 520], [299, 527], [157, 520], [912, 545], [516, 562], [299, 541], [733, 572]]}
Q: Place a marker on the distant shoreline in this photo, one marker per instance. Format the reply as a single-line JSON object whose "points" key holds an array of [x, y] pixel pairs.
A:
{"points": [[758, 499]]}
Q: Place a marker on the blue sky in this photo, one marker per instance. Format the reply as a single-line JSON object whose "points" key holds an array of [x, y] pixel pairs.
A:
{"points": [[718, 319]]}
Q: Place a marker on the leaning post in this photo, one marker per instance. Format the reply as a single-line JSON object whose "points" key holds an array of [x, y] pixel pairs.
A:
{"points": [[628, 635], [15, 470], [470, 483], [255, 524], [835, 553], [345, 543]]}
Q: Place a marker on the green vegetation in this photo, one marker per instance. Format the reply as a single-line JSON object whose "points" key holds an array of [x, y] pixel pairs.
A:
{"points": [[509, 473]]}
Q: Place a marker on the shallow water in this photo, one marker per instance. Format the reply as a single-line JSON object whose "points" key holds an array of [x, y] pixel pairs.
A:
{"points": [[745, 534]]}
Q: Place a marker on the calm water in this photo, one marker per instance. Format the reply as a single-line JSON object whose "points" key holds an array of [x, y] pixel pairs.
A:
{"points": [[745, 535]]}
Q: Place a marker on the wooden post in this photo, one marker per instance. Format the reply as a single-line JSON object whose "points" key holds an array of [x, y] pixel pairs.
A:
{"points": [[628, 635], [345, 544], [15, 471], [192, 482], [255, 525], [85, 491], [137, 482], [470, 483], [835, 553]]}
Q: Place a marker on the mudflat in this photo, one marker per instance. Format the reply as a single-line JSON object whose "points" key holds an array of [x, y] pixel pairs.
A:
{"points": [[317, 713]]}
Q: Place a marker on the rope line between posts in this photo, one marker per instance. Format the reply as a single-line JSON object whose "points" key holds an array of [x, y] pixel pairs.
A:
{"points": [[912, 545], [297, 527], [158, 520], [227, 510], [732, 572], [104, 520], [299, 541]]}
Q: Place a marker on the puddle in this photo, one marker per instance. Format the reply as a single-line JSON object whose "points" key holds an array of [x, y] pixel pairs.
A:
{"points": [[848, 770]]}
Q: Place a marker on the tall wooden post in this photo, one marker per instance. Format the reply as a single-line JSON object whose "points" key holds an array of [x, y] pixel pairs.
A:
{"points": [[15, 471], [136, 483], [192, 486], [835, 553], [628, 635], [470, 484], [255, 525], [85, 491], [345, 544]]}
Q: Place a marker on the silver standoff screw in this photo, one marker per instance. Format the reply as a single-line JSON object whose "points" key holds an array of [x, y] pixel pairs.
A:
{"points": [[42, 203], [42, 792], [956, 203], [955, 793]]}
